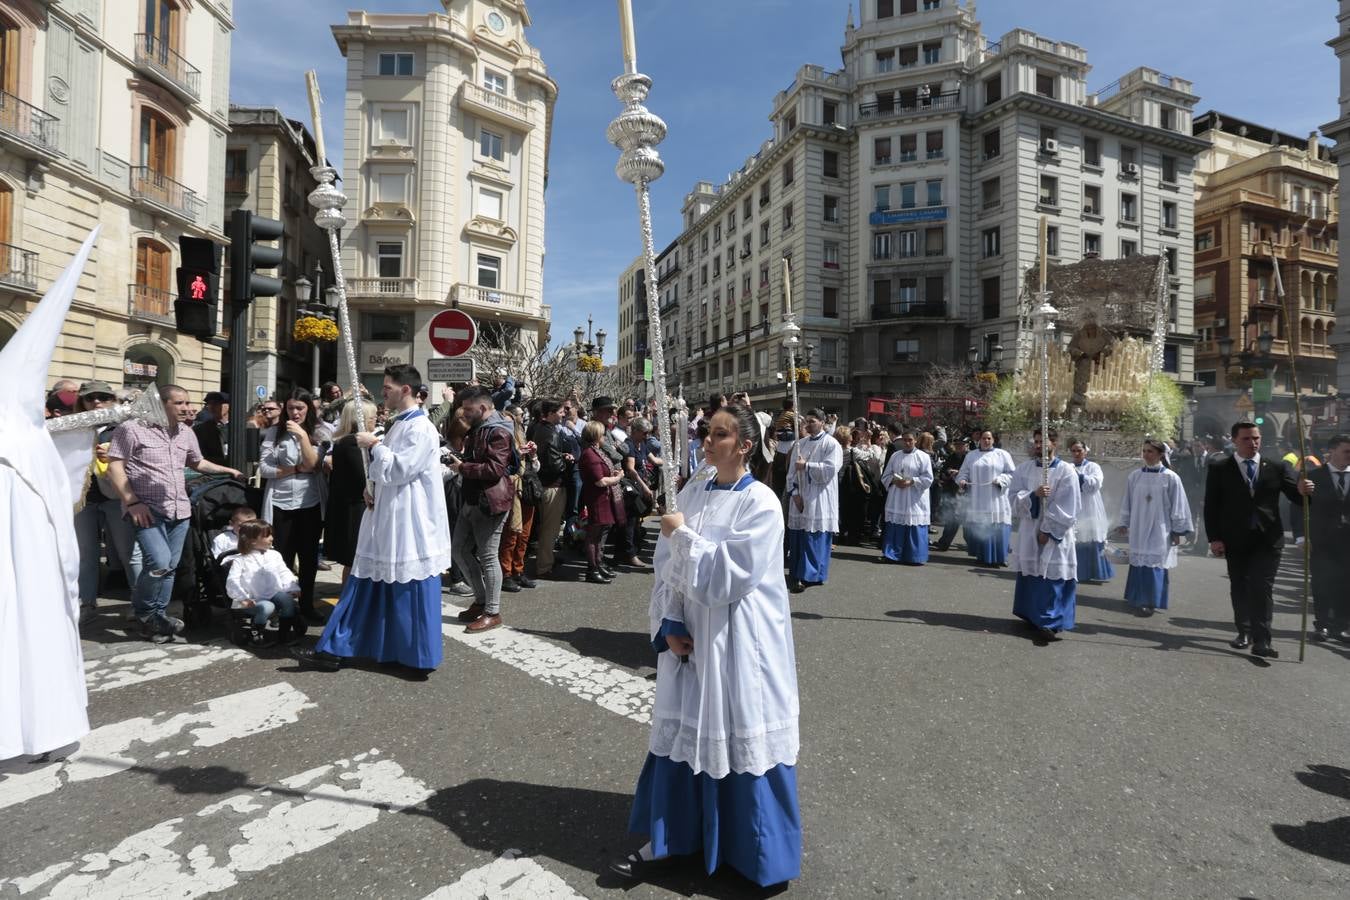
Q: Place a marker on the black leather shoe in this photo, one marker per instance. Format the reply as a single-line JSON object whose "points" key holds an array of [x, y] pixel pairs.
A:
{"points": [[797, 587], [606, 572], [1241, 642], [635, 868], [509, 585], [1321, 635], [1266, 652], [317, 659], [594, 577], [525, 581]]}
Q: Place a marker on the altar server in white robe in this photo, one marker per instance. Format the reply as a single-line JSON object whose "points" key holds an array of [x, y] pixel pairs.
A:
{"points": [[1047, 564], [1155, 517], [390, 608], [908, 477], [42, 691], [1090, 531], [813, 503], [720, 776], [985, 476]]}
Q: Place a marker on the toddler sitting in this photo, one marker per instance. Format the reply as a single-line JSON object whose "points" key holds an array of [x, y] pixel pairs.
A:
{"points": [[261, 581]]}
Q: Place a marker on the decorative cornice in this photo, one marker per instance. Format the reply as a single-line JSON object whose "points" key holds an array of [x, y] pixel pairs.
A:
{"points": [[1099, 119], [490, 230]]}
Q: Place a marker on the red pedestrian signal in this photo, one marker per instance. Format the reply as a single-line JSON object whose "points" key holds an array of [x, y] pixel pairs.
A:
{"points": [[196, 308]]}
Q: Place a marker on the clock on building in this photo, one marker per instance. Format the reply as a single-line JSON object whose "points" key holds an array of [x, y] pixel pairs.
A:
{"points": [[496, 21]]}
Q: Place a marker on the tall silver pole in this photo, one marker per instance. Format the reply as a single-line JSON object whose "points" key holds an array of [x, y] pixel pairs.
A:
{"points": [[636, 132], [790, 342]]}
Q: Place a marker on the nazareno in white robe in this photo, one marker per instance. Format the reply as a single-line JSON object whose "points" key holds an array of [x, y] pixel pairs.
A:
{"points": [[989, 473], [1092, 520], [1058, 559], [406, 537], [43, 698], [818, 486], [908, 505], [1153, 509], [733, 706]]}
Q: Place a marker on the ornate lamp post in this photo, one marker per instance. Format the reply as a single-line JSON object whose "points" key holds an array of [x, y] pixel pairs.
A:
{"points": [[590, 352]]}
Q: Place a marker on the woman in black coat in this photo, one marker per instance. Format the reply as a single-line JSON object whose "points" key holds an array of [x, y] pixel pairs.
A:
{"points": [[346, 489]]}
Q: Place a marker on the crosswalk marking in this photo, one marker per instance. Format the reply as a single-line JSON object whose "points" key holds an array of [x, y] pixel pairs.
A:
{"points": [[510, 877], [139, 666], [108, 750], [617, 690], [190, 856]]}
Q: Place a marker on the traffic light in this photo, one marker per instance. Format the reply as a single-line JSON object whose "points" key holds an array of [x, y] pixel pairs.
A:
{"points": [[195, 308], [246, 256]]}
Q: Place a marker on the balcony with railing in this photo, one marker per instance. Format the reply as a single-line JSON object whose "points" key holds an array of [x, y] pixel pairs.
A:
{"points": [[382, 288], [488, 103], [474, 296], [18, 268], [149, 304], [164, 192], [163, 63], [948, 100], [28, 129], [236, 184], [882, 312]]}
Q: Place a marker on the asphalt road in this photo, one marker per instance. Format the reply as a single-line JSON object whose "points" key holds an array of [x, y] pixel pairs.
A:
{"points": [[944, 754]]}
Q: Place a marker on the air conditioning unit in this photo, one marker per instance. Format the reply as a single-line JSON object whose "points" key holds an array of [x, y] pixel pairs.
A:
{"points": [[1130, 168], [1050, 146]]}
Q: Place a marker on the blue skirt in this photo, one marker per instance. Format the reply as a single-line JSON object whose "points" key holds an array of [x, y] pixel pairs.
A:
{"points": [[1092, 562], [988, 542], [1146, 586], [751, 822], [905, 543], [387, 622], [809, 555], [1045, 603]]}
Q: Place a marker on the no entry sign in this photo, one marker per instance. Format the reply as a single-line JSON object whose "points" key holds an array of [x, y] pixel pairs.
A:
{"points": [[452, 333]]}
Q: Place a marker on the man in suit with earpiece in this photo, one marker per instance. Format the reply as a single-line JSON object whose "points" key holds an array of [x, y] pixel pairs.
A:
{"points": [[1328, 491], [1242, 520]]}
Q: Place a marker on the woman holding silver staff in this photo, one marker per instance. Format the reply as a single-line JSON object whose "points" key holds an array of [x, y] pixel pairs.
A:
{"points": [[720, 774]]}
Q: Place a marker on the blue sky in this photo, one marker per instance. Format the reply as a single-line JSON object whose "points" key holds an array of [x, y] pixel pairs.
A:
{"points": [[717, 64]]}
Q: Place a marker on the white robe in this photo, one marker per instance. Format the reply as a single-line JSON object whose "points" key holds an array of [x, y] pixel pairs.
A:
{"points": [[733, 706], [908, 505], [987, 475], [819, 487], [1153, 509], [1057, 559], [1092, 522], [406, 537]]}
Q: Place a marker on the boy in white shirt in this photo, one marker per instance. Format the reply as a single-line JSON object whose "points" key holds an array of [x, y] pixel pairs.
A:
{"points": [[228, 540]]}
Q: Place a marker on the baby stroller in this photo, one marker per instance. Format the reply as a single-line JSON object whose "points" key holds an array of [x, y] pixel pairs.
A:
{"points": [[213, 502]]}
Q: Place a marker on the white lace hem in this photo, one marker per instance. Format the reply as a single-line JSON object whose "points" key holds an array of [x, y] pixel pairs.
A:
{"points": [[777, 744], [1154, 560], [400, 571], [908, 518]]}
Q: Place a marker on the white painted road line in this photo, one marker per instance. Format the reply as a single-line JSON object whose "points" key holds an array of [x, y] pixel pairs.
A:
{"points": [[507, 878], [138, 666], [108, 750], [617, 690], [190, 856]]}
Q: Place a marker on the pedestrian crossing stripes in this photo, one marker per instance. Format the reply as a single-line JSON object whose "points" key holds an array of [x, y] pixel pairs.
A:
{"points": [[509, 877], [140, 666], [611, 688], [123, 745], [190, 856]]}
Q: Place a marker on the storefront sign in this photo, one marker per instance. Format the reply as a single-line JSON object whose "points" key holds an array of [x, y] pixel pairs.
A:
{"points": [[376, 355], [140, 370]]}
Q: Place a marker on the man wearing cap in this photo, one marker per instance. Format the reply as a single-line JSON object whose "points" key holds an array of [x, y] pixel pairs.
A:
{"points": [[101, 510], [213, 427]]}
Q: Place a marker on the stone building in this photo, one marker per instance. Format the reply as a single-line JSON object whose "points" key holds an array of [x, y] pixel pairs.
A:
{"points": [[1339, 131], [113, 113], [445, 150], [267, 161], [906, 189], [1262, 198]]}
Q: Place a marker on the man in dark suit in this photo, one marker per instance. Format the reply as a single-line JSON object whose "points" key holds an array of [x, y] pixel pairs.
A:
{"points": [[1327, 490], [1242, 521]]}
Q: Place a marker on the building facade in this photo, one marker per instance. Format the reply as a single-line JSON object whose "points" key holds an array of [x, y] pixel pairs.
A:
{"points": [[1263, 199], [906, 191], [1339, 131], [267, 163], [632, 350], [114, 113], [445, 147]]}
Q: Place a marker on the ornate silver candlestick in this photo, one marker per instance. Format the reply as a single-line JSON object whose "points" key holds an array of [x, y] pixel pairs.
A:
{"points": [[636, 132]]}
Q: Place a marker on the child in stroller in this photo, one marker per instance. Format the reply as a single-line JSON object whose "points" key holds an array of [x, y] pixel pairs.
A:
{"points": [[260, 584]]}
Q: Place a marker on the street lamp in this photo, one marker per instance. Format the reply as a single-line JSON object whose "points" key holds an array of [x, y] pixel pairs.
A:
{"points": [[590, 347]]}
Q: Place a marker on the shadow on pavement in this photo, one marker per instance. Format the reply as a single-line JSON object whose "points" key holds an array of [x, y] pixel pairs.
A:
{"points": [[577, 827], [966, 622], [630, 649], [1329, 839]]}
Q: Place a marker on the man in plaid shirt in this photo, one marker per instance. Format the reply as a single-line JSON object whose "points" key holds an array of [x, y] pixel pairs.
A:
{"points": [[145, 466]]}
